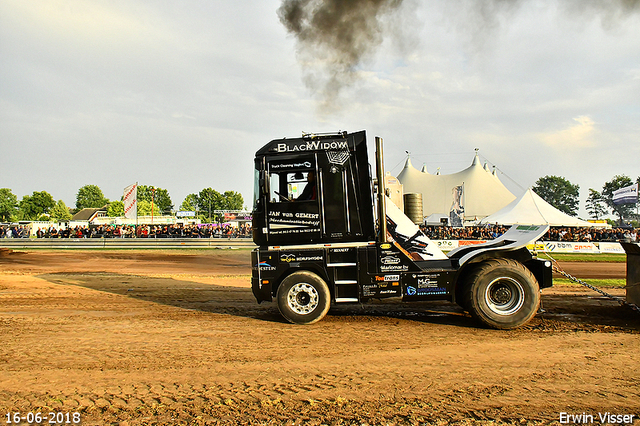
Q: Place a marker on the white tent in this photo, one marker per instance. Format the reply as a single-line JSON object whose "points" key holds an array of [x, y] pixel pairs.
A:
{"points": [[482, 191], [530, 208]]}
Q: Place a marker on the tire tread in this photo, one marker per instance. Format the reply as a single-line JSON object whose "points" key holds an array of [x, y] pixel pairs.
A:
{"points": [[470, 301]]}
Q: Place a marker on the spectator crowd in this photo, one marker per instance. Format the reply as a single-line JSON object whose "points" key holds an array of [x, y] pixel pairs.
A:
{"points": [[244, 231], [554, 234], [592, 234], [130, 231]]}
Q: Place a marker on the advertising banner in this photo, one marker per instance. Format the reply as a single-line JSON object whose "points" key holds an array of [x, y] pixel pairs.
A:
{"points": [[130, 199], [570, 247], [607, 247], [238, 216], [456, 213], [471, 242], [537, 246], [186, 214], [626, 195]]}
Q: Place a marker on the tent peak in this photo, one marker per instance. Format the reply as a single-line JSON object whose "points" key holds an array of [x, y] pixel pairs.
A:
{"points": [[476, 159], [407, 164]]}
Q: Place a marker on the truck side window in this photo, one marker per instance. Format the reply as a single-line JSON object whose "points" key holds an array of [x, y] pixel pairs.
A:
{"points": [[301, 186], [292, 186], [309, 189]]}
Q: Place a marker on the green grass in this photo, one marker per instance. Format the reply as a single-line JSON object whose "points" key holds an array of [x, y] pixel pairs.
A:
{"points": [[604, 283], [566, 257], [585, 257]]}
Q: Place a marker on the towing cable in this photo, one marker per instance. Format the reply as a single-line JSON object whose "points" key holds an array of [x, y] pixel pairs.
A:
{"points": [[556, 268]]}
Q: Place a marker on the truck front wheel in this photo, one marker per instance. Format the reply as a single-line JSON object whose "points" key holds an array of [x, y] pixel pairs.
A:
{"points": [[303, 298], [502, 293]]}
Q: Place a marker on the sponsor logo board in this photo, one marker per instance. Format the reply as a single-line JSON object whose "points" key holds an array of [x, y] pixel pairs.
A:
{"points": [[570, 247], [606, 247]]}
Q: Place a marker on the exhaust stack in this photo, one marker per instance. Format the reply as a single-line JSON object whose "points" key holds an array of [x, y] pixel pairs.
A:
{"points": [[382, 192]]}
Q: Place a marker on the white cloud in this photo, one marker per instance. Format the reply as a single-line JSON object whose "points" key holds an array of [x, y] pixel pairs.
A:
{"points": [[579, 135]]}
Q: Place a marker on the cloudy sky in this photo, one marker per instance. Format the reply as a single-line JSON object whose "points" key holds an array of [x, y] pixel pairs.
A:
{"points": [[180, 95]]}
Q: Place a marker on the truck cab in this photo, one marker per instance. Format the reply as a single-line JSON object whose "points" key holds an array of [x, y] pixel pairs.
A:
{"points": [[312, 190], [316, 222]]}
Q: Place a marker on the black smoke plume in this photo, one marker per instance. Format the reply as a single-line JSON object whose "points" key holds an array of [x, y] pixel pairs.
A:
{"points": [[333, 38]]}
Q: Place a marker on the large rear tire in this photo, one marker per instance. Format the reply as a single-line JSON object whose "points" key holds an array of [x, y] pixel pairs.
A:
{"points": [[502, 293], [303, 298]]}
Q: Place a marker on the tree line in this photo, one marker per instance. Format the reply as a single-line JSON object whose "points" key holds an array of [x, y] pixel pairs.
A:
{"points": [[563, 195], [41, 205], [556, 190]]}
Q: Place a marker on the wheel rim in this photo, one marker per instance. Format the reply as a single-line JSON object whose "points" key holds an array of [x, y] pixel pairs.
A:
{"points": [[303, 298], [504, 296]]}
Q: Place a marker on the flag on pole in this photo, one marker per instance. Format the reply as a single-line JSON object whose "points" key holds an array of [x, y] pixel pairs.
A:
{"points": [[626, 195], [130, 199]]}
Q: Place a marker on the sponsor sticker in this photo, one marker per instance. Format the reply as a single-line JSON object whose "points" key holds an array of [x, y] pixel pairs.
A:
{"points": [[264, 266], [413, 291], [289, 257], [387, 278], [390, 260], [305, 164]]}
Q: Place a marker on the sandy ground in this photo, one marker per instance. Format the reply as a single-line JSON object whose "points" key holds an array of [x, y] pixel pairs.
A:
{"points": [[145, 337]]}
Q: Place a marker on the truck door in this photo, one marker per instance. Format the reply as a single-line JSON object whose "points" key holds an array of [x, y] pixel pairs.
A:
{"points": [[334, 203], [341, 206]]}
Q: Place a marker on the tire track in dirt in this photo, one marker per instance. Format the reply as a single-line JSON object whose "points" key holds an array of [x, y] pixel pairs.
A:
{"points": [[149, 347], [215, 404]]}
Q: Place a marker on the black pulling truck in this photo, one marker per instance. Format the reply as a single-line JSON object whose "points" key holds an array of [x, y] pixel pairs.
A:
{"points": [[321, 240]]}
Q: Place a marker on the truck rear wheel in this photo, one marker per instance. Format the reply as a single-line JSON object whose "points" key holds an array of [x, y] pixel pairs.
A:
{"points": [[303, 298], [502, 293]]}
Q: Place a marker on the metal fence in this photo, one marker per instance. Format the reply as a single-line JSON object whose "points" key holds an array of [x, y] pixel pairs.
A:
{"points": [[128, 243]]}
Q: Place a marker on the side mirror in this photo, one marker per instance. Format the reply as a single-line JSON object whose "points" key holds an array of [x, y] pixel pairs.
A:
{"points": [[262, 183]]}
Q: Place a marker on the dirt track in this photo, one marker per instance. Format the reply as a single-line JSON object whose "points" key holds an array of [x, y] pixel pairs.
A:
{"points": [[163, 338]]}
